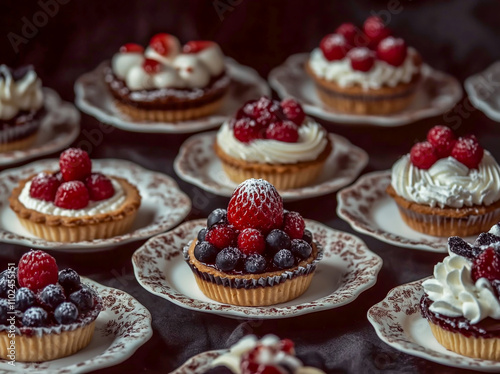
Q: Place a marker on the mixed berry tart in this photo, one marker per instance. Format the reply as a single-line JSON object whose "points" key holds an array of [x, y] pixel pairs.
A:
{"points": [[52, 314], [254, 253], [447, 186], [365, 71], [21, 107], [167, 81], [275, 141], [74, 203]]}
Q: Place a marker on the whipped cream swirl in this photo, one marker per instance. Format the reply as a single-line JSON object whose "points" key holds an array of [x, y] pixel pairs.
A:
{"points": [[312, 141], [448, 183], [17, 95], [381, 74]]}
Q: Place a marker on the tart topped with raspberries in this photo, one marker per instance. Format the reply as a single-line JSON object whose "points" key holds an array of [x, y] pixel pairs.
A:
{"points": [[74, 203], [255, 253]]}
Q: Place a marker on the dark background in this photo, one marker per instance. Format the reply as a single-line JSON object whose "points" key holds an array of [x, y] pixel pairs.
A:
{"points": [[460, 37]]}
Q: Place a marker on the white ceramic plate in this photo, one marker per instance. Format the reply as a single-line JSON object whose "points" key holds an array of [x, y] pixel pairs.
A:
{"points": [[200, 363], [398, 322], [59, 128], [348, 268], [370, 210], [121, 328], [163, 205], [94, 98], [484, 91], [198, 164], [438, 93]]}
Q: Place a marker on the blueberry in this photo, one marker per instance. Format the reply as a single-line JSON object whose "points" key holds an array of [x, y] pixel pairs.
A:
{"points": [[276, 240], [25, 298], [301, 248], [485, 238], [460, 247], [83, 299], [69, 280], [284, 259], [4, 308], [307, 236], [201, 234], [4, 287], [217, 216], [255, 264], [205, 252], [52, 295], [35, 317], [66, 313], [228, 258]]}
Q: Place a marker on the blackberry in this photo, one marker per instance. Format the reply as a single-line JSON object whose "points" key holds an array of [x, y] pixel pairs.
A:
{"points": [[276, 240], [52, 295], [35, 317], [66, 313], [308, 236], [25, 298], [300, 248], [83, 299], [69, 280], [201, 234], [4, 308], [228, 258], [217, 216], [255, 264], [4, 287], [283, 259], [205, 252]]}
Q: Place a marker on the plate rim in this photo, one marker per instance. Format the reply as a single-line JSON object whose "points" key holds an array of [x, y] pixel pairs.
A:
{"points": [[479, 103], [185, 367]]}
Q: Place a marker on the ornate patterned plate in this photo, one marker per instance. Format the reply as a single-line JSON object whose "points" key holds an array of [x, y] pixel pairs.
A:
{"points": [[484, 91], [93, 97], [59, 129], [163, 205], [348, 268], [197, 163], [398, 322], [121, 328], [439, 93], [200, 363]]}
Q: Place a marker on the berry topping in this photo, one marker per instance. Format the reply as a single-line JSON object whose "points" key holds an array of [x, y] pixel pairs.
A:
{"points": [[83, 299], [99, 186], [72, 195], [392, 50], [293, 111], [301, 248], [486, 238], [202, 234], [36, 270], [4, 308], [423, 155], [151, 66], [35, 317], [442, 139], [255, 204], [255, 264], [4, 287], [284, 259], [308, 236], [75, 164], [283, 131], [287, 346], [52, 295], [221, 235], [362, 58], [251, 241], [276, 240], [267, 111], [69, 280], [25, 298], [247, 130], [349, 32], [219, 215], [205, 252], [334, 47], [375, 30], [44, 187], [131, 48], [294, 225], [195, 46], [228, 259], [468, 151], [66, 313], [161, 43], [486, 265], [460, 247]]}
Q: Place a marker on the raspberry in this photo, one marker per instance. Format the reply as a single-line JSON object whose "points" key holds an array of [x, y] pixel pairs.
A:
{"points": [[468, 151], [99, 187], [362, 58], [221, 236], [72, 195], [131, 48], [44, 187], [375, 30], [486, 265], [195, 46], [251, 241], [266, 111], [246, 111], [283, 131], [349, 32], [36, 270], [442, 139], [247, 130], [392, 50], [423, 155], [293, 111], [255, 204], [75, 164], [286, 345], [334, 47], [151, 66], [294, 225]]}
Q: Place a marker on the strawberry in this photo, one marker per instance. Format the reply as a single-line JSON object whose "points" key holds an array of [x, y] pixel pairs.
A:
{"points": [[392, 50], [162, 43], [423, 155], [36, 270], [468, 151]]}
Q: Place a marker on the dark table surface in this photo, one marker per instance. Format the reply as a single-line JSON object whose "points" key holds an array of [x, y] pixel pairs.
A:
{"points": [[461, 37]]}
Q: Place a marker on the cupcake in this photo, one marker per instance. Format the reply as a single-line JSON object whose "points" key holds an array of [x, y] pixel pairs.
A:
{"points": [[274, 141], [447, 186], [74, 204], [461, 302], [254, 253], [365, 72], [21, 107], [46, 313], [167, 82]]}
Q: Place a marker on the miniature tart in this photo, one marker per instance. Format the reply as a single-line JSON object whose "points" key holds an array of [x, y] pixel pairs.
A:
{"points": [[274, 141], [365, 72], [461, 302], [21, 107], [166, 82], [52, 315], [255, 253]]}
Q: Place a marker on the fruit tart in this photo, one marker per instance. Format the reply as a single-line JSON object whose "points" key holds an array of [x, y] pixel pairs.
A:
{"points": [[21, 107], [447, 186], [167, 81], [255, 253], [365, 71], [274, 141], [45, 314], [74, 204]]}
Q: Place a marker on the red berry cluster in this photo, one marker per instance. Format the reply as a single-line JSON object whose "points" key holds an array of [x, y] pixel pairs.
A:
{"points": [[250, 363], [74, 185], [441, 143], [363, 47], [486, 265], [36, 270], [268, 119]]}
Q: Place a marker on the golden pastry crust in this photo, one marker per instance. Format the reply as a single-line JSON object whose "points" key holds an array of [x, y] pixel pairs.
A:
{"points": [[19, 145]]}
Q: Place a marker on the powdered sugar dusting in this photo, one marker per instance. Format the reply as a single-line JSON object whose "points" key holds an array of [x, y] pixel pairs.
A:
{"points": [[360, 53], [390, 42], [337, 40]]}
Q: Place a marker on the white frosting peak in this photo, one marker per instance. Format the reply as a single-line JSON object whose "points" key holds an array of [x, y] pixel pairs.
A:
{"points": [[192, 70]]}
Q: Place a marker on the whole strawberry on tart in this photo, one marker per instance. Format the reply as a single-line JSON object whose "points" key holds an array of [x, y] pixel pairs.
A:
{"points": [[75, 203], [255, 253]]}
